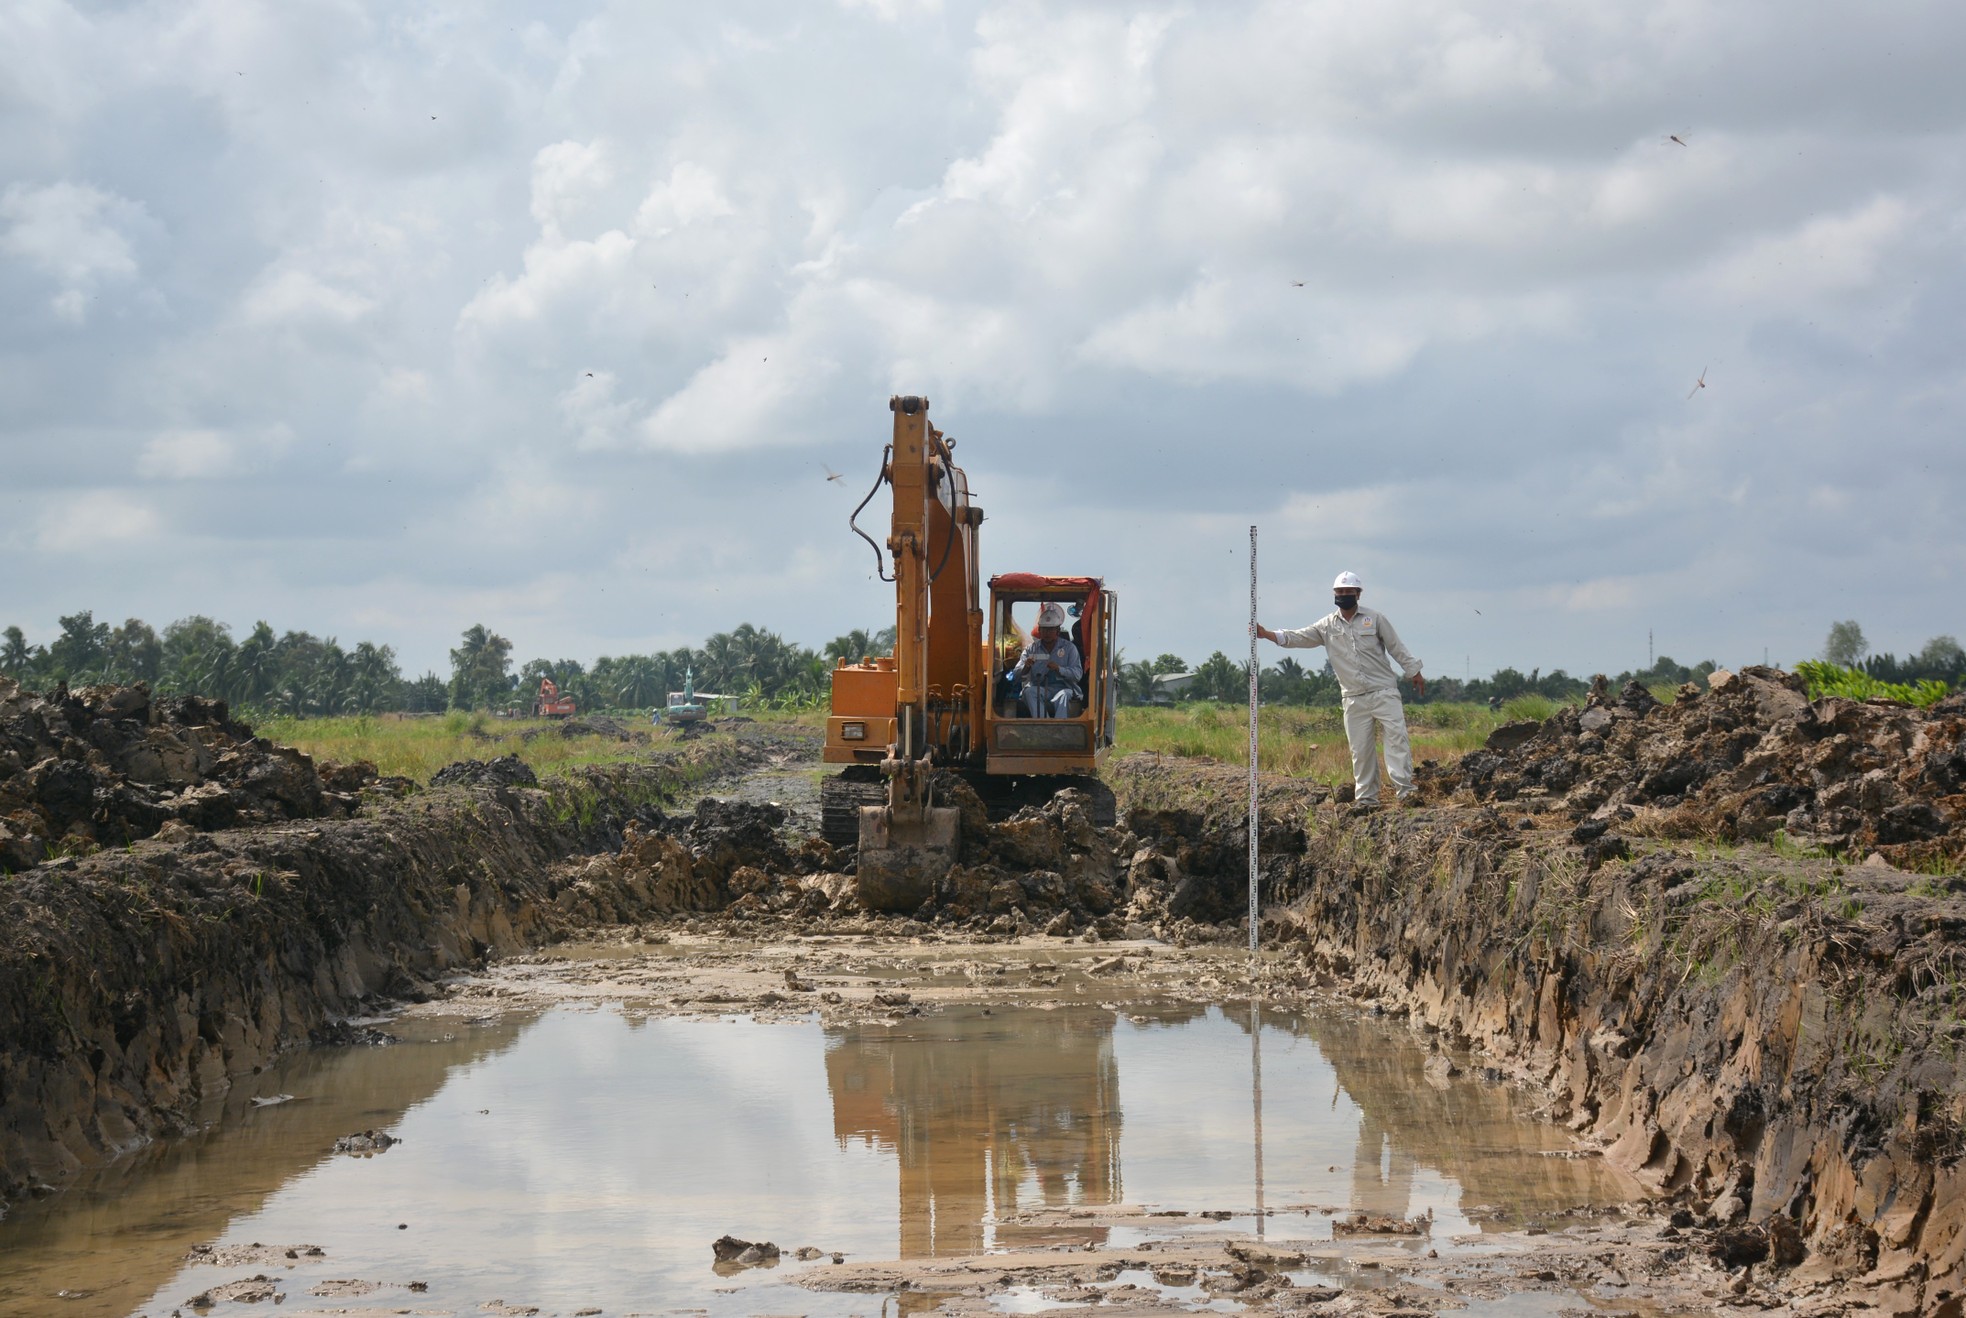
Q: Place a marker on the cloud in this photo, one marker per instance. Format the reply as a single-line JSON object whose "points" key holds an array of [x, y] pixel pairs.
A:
{"points": [[1419, 286], [1826, 255], [186, 455], [71, 232], [591, 411], [299, 297], [97, 524], [742, 400]]}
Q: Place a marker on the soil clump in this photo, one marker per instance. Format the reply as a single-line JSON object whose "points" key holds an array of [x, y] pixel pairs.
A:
{"points": [[108, 766], [1747, 757]]}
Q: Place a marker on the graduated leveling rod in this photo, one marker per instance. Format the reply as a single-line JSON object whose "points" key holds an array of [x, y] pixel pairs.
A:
{"points": [[1252, 741]]}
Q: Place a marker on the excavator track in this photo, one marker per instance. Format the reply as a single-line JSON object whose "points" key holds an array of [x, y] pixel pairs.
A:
{"points": [[840, 799]]}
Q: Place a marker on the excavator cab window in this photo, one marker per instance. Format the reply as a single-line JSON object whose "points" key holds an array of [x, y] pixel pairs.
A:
{"points": [[1011, 630]]}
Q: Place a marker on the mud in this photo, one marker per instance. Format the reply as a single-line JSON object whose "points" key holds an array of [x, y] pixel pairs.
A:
{"points": [[108, 766], [1765, 1036], [1740, 761]]}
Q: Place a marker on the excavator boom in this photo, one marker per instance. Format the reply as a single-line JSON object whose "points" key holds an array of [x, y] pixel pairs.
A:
{"points": [[909, 841]]}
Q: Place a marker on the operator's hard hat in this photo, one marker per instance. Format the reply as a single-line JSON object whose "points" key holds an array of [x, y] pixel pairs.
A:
{"points": [[1051, 615], [1348, 581]]}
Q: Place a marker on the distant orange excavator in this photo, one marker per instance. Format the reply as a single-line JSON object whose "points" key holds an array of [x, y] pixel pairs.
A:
{"points": [[549, 703]]}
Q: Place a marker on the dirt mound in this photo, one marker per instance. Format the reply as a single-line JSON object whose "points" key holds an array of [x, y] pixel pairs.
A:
{"points": [[504, 771], [729, 856], [1740, 760], [108, 765]]}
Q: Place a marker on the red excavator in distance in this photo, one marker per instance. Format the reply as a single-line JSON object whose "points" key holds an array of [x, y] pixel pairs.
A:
{"points": [[549, 703]]}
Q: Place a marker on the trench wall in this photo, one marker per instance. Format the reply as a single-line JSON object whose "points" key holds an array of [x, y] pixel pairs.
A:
{"points": [[137, 985], [1766, 1046]]}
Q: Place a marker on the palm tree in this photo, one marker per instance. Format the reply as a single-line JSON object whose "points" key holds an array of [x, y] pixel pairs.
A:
{"points": [[480, 669], [256, 669], [638, 681], [16, 656], [852, 647], [375, 676]]}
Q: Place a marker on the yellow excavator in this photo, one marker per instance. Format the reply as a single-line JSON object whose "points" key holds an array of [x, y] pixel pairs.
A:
{"points": [[953, 695]]}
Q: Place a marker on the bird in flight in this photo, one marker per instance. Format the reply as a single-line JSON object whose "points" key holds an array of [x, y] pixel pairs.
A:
{"points": [[831, 475], [1698, 384], [590, 375], [1296, 283]]}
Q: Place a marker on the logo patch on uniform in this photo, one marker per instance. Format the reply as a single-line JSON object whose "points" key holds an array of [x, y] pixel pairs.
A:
{"points": [[1366, 627]]}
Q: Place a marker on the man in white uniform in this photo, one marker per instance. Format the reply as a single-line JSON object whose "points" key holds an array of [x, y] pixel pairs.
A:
{"points": [[1050, 667], [1363, 646]]}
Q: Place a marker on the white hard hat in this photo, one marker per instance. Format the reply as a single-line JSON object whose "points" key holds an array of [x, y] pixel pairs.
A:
{"points": [[1051, 615], [1348, 581]]}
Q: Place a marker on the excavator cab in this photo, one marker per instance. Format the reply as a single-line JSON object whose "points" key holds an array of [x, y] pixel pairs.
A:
{"points": [[1019, 741]]}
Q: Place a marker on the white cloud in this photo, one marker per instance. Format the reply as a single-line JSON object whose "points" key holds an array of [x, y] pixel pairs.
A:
{"points": [[71, 232], [186, 455], [67, 229], [1828, 255], [894, 10], [97, 524], [591, 411], [300, 297], [691, 194], [742, 400]]}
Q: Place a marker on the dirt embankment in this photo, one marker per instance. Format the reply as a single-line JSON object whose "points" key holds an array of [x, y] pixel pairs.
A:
{"points": [[138, 978], [1770, 1033]]}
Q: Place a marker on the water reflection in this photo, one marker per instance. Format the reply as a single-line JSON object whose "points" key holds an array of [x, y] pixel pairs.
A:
{"points": [[987, 1116], [121, 1231], [587, 1158]]}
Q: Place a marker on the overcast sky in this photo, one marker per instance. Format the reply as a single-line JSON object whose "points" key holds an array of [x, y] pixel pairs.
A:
{"points": [[382, 319]]}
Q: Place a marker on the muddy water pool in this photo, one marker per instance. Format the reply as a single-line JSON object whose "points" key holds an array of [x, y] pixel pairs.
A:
{"points": [[585, 1158]]}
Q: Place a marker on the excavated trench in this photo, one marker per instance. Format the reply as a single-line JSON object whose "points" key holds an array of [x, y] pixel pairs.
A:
{"points": [[1763, 1036]]}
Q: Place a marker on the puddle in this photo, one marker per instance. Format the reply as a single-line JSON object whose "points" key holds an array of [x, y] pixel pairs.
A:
{"points": [[587, 1159]]}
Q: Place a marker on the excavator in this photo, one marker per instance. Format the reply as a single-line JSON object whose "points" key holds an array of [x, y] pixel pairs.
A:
{"points": [[549, 703], [948, 700]]}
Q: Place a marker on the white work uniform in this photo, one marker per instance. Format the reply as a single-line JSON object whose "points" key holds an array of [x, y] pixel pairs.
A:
{"points": [[1048, 691], [1362, 651]]}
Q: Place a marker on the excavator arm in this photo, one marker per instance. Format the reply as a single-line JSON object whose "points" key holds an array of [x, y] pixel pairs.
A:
{"points": [[909, 841]]}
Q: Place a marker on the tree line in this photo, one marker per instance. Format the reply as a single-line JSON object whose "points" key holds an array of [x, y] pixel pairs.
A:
{"points": [[1290, 682], [297, 673]]}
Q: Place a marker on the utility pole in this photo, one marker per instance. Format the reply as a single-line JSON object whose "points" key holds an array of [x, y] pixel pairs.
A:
{"points": [[1649, 660]]}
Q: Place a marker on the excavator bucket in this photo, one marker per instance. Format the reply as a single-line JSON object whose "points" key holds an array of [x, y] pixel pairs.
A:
{"points": [[903, 852]]}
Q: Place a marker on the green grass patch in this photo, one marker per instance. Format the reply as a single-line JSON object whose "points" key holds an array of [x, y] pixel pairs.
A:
{"points": [[1825, 679], [1308, 741], [415, 748]]}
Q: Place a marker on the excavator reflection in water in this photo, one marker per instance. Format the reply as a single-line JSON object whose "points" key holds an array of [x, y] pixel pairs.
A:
{"points": [[994, 1117], [986, 1122]]}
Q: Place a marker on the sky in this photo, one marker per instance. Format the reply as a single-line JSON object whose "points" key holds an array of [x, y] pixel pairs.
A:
{"points": [[380, 320]]}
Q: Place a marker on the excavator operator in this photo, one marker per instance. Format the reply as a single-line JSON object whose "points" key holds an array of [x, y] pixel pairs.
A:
{"points": [[1051, 668]]}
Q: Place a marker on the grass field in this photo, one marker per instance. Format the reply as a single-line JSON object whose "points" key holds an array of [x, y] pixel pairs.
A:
{"points": [[417, 746], [1296, 740], [1309, 742]]}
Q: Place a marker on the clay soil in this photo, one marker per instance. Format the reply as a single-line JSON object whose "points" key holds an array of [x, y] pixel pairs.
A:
{"points": [[1719, 940]]}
